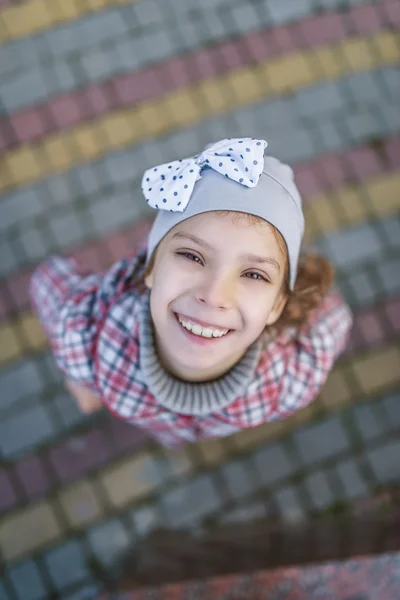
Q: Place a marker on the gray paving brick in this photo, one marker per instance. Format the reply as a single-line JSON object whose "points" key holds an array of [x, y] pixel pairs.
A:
{"points": [[391, 227], [20, 381], [146, 519], [273, 464], [56, 189], [362, 124], [68, 229], [27, 581], [119, 168], [237, 479], [9, 260], [249, 512], [68, 553], [156, 46], [352, 245], [292, 146], [366, 85], [186, 504], [68, 410], [34, 244], [319, 490], [26, 88], [289, 503], [367, 421], [390, 274], [390, 75], [351, 479], [26, 429], [391, 404], [362, 288], [321, 440], [148, 13], [90, 590], [385, 462], [283, 12], [87, 180], [338, 3], [319, 100], [61, 77], [245, 17], [329, 136], [97, 65], [22, 204], [108, 540], [126, 54]]}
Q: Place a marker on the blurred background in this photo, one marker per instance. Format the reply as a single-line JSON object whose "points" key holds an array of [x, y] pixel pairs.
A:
{"points": [[92, 93]]}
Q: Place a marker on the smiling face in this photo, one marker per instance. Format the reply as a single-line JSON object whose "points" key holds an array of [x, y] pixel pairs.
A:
{"points": [[215, 285]]}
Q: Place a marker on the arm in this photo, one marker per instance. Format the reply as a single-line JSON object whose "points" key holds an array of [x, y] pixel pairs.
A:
{"points": [[71, 308]]}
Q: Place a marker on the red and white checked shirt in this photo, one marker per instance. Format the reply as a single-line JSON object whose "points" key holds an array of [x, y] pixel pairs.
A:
{"points": [[92, 324]]}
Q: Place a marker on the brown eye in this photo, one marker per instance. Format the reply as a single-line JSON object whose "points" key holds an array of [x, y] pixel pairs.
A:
{"points": [[256, 276], [191, 257]]}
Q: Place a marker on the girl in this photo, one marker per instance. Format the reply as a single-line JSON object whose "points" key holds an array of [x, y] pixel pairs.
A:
{"points": [[216, 326]]}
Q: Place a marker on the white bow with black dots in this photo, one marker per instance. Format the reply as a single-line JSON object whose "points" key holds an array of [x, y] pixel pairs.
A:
{"points": [[169, 186]]}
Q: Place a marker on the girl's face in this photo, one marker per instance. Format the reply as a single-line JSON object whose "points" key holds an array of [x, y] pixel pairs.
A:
{"points": [[215, 284]]}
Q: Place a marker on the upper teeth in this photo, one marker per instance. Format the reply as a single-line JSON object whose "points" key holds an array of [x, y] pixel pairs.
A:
{"points": [[202, 331]]}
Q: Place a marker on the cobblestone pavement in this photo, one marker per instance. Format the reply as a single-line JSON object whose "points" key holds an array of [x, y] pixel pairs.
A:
{"points": [[92, 93]]}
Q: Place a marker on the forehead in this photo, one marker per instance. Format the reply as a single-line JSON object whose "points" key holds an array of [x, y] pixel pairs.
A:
{"points": [[238, 228]]}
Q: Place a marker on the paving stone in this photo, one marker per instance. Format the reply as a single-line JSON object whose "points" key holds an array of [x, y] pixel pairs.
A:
{"points": [[289, 503], [92, 590], [34, 243], [273, 464], [9, 260], [23, 89], [120, 168], [66, 564], [156, 46], [365, 85], [80, 503], [126, 54], [97, 65], [246, 17], [249, 512], [321, 440], [319, 490], [391, 403], [363, 124], [3, 593], [8, 496], [26, 429], [148, 13], [27, 581], [391, 227], [367, 420], [61, 77], [138, 476], [27, 530], [329, 136], [32, 477], [109, 540], [351, 478], [68, 410], [353, 245], [186, 504], [362, 288], [20, 381], [385, 462], [291, 10], [237, 479], [57, 189], [319, 100], [68, 229], [146, 519], [390, 273], [292, 146], [22, 204]]}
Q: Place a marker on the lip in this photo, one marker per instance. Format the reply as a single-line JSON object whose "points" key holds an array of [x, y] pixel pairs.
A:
{"points": [[197, 339], [199, 322]]}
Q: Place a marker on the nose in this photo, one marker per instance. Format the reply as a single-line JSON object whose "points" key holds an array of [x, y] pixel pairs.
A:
{"points": [[216, 292]]}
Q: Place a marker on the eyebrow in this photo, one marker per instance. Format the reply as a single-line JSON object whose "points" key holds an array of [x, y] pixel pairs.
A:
{"points": [[246, 257]]}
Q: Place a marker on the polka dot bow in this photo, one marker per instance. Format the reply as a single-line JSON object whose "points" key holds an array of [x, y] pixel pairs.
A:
{"points": [[170, 186]]}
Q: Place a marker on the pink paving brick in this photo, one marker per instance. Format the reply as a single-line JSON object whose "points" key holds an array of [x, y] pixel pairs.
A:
{"points": [[363, 162], [97, 99], [177, 69], [67, 109], [89, 259], [321, 29], [32, 476], [18, 289], [332, 169], [230, 56], [370, 328], [392, 148], [7, 494], [284, 39], [364, 19], [308, 181], [28, 125], [126, 437], [260, 46], [80, 454], [393, 312], [206, 62], [391, 12]]}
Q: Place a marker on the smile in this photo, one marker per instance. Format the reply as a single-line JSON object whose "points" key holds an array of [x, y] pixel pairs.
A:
{"points": [[200, 330]]}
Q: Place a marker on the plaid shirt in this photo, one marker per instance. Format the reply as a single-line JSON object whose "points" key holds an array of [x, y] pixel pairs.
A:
{"points": [[92, 324]]}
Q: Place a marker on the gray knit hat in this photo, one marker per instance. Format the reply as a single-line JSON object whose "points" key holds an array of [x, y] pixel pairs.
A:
{"points": [[231, 175]]}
